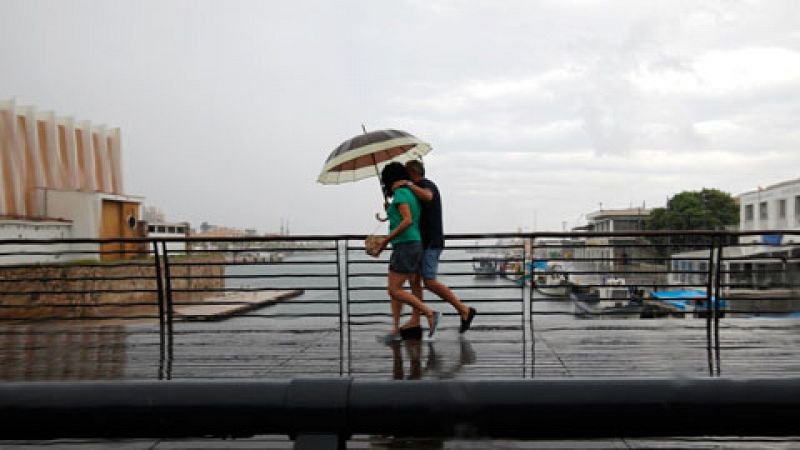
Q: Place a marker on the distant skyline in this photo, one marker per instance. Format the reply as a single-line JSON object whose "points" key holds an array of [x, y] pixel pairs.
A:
{"points": [[538, 111]]}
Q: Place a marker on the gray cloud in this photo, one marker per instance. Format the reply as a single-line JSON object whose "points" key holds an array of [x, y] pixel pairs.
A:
{"points": [[542, 109]]}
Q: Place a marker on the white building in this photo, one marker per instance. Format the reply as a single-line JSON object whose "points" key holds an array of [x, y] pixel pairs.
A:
{"points": [[606, 252], [170, 230], [750, 265], [776, 207]]}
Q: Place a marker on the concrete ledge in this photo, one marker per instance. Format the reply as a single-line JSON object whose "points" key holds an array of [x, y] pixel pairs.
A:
{"points": [[231, 304]]}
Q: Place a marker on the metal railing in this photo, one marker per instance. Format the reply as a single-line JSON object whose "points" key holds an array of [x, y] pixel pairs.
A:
{"points": [[592, 274], [181, 290]]}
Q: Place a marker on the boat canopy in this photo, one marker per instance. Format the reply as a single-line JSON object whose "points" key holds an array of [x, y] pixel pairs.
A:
{"points": [[682, 298], [688, 294]]}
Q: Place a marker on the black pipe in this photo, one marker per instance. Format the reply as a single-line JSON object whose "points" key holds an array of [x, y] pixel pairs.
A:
{"points": [[575, 408]]}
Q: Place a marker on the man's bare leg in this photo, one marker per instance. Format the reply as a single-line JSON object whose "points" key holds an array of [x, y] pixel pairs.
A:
{"points": [[447, 295]]}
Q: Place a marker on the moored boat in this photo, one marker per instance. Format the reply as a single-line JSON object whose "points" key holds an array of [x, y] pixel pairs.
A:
{"points": [[613, 299]]}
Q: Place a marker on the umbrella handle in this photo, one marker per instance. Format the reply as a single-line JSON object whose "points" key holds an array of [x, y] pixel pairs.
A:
{"points": [[379, 218]]}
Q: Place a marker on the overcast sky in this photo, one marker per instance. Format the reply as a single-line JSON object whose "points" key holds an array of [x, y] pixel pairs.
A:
{"points": [[538, 111]]}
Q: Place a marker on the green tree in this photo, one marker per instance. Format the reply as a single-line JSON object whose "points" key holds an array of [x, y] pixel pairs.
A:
{"points": [[708, 209]]}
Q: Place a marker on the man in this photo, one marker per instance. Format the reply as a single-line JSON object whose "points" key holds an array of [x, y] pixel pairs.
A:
{"points": [[432, 245]]}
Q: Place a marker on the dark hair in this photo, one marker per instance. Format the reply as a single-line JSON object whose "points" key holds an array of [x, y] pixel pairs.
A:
{"points": [[392, 173], [416, 166]]}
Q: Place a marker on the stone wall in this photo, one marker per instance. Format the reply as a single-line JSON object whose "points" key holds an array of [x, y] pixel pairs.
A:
{"points": [[94, 291]]}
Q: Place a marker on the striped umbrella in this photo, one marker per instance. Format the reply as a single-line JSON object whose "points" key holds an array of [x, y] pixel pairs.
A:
{"points": [[365, 155]]}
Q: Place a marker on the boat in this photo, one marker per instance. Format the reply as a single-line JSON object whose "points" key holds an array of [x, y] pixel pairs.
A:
{"points": [[614, 299], [486, 266], [549, 279], [682, 302]]}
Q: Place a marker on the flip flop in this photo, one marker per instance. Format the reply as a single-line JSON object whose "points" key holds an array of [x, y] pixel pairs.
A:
{"points": [[466, 323], [435, 323]]}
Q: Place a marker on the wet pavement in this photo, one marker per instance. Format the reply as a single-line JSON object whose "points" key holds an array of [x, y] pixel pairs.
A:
{"points": [[498, 347], [546, 347]]}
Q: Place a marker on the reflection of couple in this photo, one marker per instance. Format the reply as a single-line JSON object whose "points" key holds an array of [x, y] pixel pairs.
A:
{"points": [[417, 238], [434, 367]]}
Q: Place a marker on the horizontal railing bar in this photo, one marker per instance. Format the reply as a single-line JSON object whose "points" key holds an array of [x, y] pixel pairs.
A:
{"points": [[371, 288], [57, 305], [265, 289], [388, 314], [436, 300], [59, 318], [253, 276], [70, 279], [103, 291], [441, 261], [294, 302], [247, 250], [79, 252], [456, 236], [268, 316], [438, 273], [73, 264], [241, 263]]}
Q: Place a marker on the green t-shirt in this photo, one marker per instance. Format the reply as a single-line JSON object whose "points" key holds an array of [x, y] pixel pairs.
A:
{"points": [[404, 195]]}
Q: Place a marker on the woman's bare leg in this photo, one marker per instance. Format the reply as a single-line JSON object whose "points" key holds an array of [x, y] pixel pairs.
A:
{"points": [[416, 289], [397, 309], [396, 291]]}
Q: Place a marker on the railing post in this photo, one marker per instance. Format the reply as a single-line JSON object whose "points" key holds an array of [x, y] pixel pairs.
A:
{"points": [[525, 268], [169, 311], [339, 283], [711, 275], [717, 294], [347, 299], [339, 287], [161, 323]]}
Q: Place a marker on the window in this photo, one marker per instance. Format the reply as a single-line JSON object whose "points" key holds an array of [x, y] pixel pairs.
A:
{"points": [[762, 211], [797, 208], [182, 230], [162, 229], [748, 212], [782, 208], [151, 229], [171, 230]]}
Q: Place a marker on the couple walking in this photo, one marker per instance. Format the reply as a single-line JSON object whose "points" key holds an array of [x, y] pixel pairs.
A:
{"points": [[415, 232]]}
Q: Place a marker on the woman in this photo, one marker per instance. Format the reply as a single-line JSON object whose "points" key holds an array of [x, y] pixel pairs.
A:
{"points": [[404, 235]]}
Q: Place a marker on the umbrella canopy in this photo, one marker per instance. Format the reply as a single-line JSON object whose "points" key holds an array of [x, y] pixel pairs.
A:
{"points": [[365, 155]]}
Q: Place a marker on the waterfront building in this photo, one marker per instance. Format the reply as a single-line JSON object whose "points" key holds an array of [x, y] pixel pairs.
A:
{"points": [[763, 262], [62, 178], [776, 207], [612, 252]]}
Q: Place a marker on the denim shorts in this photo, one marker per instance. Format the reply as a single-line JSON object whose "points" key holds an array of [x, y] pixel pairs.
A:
{"points": [[405, 257], [430, 263]]}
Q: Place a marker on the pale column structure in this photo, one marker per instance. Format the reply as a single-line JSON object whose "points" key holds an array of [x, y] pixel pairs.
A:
{"points": [[115, 151], [86, 159], [48, 144], [10, 165], [39, 150], [70, 151], [34, 169], [103, 160]]}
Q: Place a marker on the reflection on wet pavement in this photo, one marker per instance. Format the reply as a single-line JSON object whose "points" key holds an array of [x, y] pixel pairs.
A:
{"points": [[42, 353]]}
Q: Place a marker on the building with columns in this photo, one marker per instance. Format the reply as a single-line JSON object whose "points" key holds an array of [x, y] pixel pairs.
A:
{"points": [[61, 178]]}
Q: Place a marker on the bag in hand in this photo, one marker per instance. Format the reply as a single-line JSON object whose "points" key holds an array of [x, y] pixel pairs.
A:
{"points": [[372, 245]]}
